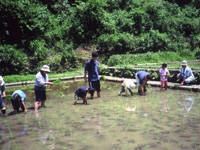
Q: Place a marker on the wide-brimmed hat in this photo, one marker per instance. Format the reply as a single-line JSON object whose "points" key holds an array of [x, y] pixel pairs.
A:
{"points": [[45, 68], [184, 63]]}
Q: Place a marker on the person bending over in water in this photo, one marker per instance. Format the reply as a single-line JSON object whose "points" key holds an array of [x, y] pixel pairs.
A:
{"points": [[142, 77], [127, 85], [81, 92], [18, 100]]}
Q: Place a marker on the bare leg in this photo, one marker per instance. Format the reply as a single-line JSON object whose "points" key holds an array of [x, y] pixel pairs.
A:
{"points": [[43, 103], [98, 94], [36, 105]]}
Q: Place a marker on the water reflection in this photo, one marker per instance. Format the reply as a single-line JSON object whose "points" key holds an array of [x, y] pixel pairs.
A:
{"points": [[165, 104], [106, 122], [25, 127], [186, 103]]}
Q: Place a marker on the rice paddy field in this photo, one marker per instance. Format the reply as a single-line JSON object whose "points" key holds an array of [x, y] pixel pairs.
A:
{"points": [[160, 120]]}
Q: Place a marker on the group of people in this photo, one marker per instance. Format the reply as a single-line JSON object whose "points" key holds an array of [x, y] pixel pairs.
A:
{"points": [[92, 70], [18, 99], [185, 76]]}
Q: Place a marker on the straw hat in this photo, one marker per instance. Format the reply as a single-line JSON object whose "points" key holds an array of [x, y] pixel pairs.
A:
{"points": [[184, 63], [45, 68]]}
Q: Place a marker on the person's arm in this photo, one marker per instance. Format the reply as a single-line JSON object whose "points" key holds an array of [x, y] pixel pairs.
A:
{"points": [[85, 76], [168, 73], [25, 109], [85, 72], [47, 81]]}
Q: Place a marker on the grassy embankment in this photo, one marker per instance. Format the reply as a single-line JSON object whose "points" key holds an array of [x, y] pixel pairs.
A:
{"points": [[31, 77], [144, 61]]}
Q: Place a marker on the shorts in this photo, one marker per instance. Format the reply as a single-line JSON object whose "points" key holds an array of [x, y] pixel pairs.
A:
{"points": [[40, 93], [139, 82], [95, 85], [17, 103]]}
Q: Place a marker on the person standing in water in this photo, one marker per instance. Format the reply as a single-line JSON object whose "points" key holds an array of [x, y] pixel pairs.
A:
{"points": [[2, 94], [41, 82], [164, 74], [92, 68]]}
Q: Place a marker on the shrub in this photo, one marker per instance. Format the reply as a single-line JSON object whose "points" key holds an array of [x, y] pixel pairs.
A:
{"points": [[12, 60]]}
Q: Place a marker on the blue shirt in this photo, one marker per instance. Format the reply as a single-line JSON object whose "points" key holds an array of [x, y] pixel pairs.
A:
{"points": [[21, 94], [82, 91], [92, 67], [141, 75], [187, 72], [41, 79]]}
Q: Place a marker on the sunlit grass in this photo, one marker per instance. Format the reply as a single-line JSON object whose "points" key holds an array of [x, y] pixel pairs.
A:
{"points": [[31, 77]]}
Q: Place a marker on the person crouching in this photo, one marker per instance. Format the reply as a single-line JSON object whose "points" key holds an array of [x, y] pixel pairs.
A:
{"points": [[18, 100], [81, 92], [127, 85]]}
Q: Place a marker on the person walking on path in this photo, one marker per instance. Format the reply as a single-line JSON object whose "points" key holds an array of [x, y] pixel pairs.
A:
{"points": [[92, 69], [41, 82]]}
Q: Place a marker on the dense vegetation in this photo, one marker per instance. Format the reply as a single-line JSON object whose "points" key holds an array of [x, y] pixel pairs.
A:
{"points": [[34, 32]]}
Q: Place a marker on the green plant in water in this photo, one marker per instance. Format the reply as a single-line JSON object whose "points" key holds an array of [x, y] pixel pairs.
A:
{"points": [[61, 94], [154, 75], [103, 77], [57, 82]]}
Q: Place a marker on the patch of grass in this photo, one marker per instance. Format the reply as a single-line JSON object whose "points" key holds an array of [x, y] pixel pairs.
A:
{"points": [[31, 77], [149, 57]]}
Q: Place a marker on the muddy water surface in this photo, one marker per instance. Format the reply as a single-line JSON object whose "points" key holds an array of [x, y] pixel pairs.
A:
{"points": [[160, 120]]}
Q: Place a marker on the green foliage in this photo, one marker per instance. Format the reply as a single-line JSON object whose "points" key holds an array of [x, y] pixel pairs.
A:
{"points": [[39, 49], [57, 82], [197, 54], [49, 31], [12, 60]]}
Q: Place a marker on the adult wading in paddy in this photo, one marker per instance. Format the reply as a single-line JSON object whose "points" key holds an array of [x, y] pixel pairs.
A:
{"points": [[92, 68], [41, 82]]}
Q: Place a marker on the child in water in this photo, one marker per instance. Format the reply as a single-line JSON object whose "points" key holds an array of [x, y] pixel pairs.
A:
{"points": [[127, 85], [81, 92], [164, 74]]}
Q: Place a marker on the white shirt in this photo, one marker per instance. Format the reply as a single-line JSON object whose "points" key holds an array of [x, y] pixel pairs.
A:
{"points": [[40, 80], [1, 81], [128, 83]]}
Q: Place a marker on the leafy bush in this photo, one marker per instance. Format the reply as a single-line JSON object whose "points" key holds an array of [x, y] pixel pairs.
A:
{"points": [[13, 60], [197, 54]]}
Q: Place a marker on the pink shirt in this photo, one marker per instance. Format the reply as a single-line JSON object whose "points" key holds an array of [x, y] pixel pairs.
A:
{"points": [[163, 73]]}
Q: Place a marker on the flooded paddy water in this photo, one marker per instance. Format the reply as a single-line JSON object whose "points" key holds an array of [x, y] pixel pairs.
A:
{"points": [[161, 120]]}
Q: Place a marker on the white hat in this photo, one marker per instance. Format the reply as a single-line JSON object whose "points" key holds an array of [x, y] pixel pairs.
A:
{"points": [[45, 68], [184, 63]]}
